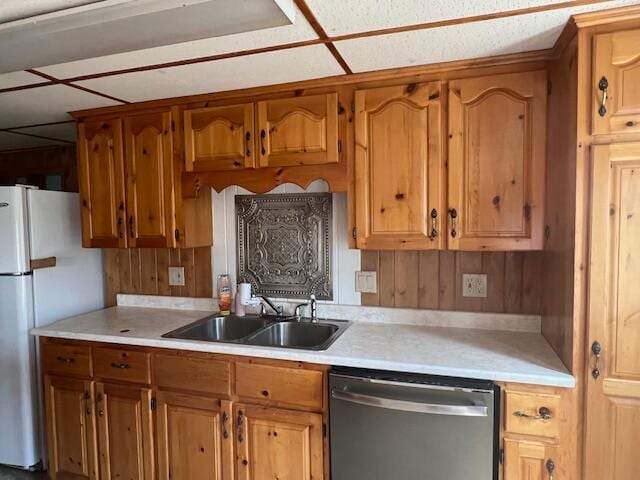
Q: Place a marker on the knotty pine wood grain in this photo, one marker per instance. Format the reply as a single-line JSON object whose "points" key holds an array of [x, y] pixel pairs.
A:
{"points": [[433, 280], [145, 271]]}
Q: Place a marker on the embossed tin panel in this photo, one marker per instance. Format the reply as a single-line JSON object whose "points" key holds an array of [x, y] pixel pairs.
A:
{"points": [[284, 244]]}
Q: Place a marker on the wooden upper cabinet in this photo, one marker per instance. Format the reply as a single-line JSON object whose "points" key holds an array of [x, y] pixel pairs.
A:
{"points": [[273, 443], [399, 172], [613, 362], [616, 82], [71, 435], [149, 168], [219, 138], [497, 162], [125, 432], [101, 183], [298, 131]]}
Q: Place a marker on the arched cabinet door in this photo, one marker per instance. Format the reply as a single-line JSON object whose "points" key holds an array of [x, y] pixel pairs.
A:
{"points": [[101, 182], [497, 162], [150, 174], [616, 83], [399, 171]]}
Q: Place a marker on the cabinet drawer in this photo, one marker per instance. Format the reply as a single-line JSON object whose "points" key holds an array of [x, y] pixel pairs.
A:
{"points": [[66, 359], [532, 413], [280, 385], [119, 364], [193, 373]]}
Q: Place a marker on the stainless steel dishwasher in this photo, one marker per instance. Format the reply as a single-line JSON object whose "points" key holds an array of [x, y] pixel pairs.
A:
{"points": [[394, 426]]}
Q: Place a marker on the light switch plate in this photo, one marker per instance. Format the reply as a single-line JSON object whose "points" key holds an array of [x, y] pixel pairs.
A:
{"points": [[366, 282], [474, 285], [176, 276]]}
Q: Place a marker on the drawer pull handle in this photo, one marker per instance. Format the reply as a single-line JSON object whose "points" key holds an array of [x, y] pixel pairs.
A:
{"points": [[66, 359], [225, 419], [603, 86], [240, 426], [543, 414], [120, 365]]}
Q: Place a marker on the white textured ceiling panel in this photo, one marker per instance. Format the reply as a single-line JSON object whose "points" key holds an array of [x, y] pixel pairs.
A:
{"points": [[13, 141], [15, 79], [62, 131], [11, 10], [517, 34], [340, 17], [299, 31], [45, 104], [270, 68]]}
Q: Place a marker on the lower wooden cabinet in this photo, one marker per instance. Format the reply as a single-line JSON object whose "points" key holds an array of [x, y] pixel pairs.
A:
{"points": [[125, 432], [273, 443], [528, 460], [71, 432], [194, 437]]}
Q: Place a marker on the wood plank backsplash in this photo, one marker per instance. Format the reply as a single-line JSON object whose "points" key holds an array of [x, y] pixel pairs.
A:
{"points": [[433, 280], [145, 271]]}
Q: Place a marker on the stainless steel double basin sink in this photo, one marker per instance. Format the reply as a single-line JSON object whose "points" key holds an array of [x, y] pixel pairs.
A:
{"points": [[266, 331]]}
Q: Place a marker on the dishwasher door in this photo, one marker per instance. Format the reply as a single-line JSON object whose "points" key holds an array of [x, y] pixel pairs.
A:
{"points": [[387, 426]]}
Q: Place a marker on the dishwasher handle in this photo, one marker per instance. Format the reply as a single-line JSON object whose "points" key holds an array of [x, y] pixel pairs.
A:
{"points": [[410, 406]]}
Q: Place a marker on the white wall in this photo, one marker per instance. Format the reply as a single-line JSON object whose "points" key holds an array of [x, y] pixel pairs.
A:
{"points": [[345, 262]]}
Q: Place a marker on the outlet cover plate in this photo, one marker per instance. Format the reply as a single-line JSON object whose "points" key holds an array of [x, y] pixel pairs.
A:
{"points": [[176, 276], [474, 285], [366, 282]]}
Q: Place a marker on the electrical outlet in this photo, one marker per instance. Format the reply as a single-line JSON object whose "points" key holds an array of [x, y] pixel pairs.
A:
{"points": [[474, 285], [366, 282], [176, 276]]}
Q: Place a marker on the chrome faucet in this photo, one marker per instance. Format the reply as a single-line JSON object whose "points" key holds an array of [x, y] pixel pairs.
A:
{"points": [[276, 308], [314, 309]]}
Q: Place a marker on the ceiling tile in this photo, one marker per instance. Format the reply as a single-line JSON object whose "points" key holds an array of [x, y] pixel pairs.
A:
{"points": [[339, 17], [45, 104], [16, 79], [13, 141], [270, 68], [520, 33], [300, 30], [61, 131]]}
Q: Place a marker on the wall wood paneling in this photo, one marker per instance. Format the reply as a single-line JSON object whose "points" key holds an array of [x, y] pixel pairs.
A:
{"points": [[433, 280], [145, 271], [33, 165]]}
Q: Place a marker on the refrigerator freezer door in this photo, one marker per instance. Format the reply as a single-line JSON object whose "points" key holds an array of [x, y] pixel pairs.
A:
{"points": [[75, 285], [14, 239], [19, 444]]}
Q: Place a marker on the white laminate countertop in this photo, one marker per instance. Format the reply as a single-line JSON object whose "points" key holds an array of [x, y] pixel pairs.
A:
{"points": [[506, 356]]}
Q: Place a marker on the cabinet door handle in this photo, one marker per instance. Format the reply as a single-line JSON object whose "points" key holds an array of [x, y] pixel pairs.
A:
{"points": [[434, 223], [225, 419], [240, 426], [596, 349], [263, 135], [453, 213], [603, 86], [543, 414], [247, 139], [119, 227], [551, 466], [131, 225]]}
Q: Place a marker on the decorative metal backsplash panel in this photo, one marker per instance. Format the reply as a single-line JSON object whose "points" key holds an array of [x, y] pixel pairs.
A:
{"points": [[284, 244]]}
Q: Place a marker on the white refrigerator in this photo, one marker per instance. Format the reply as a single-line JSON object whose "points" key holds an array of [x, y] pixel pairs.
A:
{"points": [[36, 224]]}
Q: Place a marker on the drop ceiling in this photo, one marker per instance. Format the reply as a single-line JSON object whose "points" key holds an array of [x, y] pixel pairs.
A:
{"points": [[34, 101]]}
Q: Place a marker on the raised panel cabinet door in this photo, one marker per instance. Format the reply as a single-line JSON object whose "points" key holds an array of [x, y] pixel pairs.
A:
{"points": [[150, 175], [616, 82], [529, 460], [274, 443], [298, 131], [125, 432], [219, 138], [613, 367], [195, 438], [71, 429], [399, 170], [101, 183], [497, 162]]}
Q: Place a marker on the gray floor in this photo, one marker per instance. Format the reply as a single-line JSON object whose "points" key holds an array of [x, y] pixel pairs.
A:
{"points": [[7, 473]]}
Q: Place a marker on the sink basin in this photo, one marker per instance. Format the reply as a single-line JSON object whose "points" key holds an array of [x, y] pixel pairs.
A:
{"points": [[219, 329], [309, 336]]}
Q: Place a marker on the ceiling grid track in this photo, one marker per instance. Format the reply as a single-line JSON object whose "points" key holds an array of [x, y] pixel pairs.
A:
{"points": [[34, 135]]}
